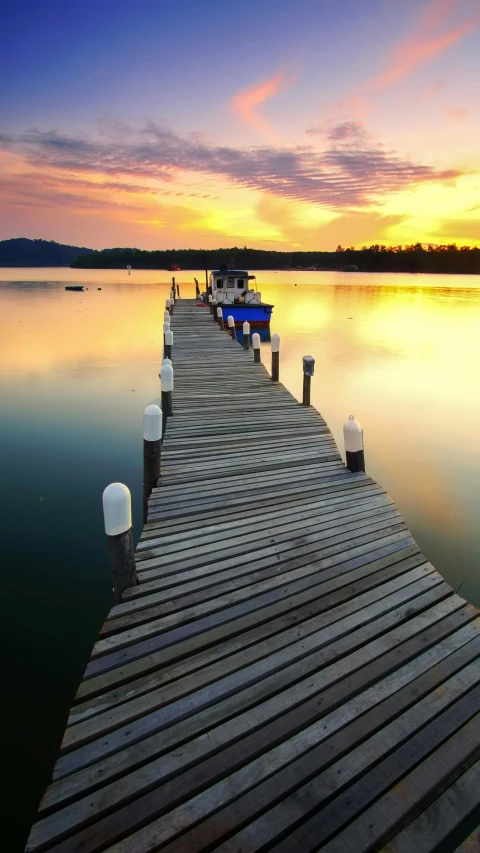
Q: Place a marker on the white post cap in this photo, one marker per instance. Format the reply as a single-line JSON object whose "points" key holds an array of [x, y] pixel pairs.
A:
{"points": [[167, 303], [246, 328], [169, 337], [166, 315], [276, 342], [352, 435], [230, 321], [167, 360], [117, 509], [256, 340], [219, 312], [166, 326], [210, 297], [152, 423], [166, 376]]}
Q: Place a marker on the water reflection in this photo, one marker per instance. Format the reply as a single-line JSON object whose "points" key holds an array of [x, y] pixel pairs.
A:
{"points": [[77, 370]]}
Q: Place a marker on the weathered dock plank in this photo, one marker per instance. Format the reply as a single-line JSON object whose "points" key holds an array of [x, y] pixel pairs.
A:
{"points": [[290, 673]]}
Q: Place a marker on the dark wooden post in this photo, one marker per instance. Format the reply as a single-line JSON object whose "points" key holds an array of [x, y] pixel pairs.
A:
{"points": [[220, 318], [353, 438], [231, 327], [256, 347], [166, 378], [275, 357], [214, 310], [168, 344], [246, 335], [117, 514], [152, 440], [308, 368]]}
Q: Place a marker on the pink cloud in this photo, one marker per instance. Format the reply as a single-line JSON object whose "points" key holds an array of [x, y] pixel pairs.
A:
{"points": [[458, 115], [247, 102], [426, 43]]}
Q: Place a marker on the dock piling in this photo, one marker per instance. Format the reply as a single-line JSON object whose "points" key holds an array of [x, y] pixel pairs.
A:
{"points": [[214, 310], [166, 327], [220, 318], [117, 516], [168, 343], [166, 379], [353, 438], [246, 335], [308, 368], [231, 327], [275, 357], [210, 302], [152, 438], [256, 347]]}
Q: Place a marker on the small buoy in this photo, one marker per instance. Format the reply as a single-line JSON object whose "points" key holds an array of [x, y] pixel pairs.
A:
{"points": [[99, 288]]}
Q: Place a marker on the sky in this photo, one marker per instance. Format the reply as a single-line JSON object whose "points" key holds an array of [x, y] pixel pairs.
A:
{"points": [[267, 123]]}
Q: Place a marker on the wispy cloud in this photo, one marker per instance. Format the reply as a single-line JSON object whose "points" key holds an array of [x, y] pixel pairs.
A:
{"points": [[246, 103], [456, 114], [351, 170], [429, 39]]}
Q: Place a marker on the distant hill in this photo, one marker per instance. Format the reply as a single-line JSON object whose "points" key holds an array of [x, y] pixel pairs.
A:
{"points": [[21, 252]]}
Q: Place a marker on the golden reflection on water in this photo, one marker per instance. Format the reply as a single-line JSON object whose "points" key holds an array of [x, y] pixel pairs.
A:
{"points": [[400, 352]]}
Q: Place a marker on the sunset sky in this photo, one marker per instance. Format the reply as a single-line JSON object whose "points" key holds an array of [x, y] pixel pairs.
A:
{"points": [[271, 123]]}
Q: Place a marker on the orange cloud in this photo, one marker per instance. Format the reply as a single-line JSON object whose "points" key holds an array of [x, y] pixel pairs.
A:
{"points": [[246, 104], [425, 44], [457, 114]]}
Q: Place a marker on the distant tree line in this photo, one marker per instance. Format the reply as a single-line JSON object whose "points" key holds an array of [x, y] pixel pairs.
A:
{"points": [[375, 258], [22, 252]]}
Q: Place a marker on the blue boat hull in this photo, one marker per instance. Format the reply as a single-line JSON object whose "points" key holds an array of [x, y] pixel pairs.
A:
{"points": [[257, 315]]}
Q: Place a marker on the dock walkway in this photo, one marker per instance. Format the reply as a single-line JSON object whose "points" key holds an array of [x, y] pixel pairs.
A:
{"points": [[291, 673]]}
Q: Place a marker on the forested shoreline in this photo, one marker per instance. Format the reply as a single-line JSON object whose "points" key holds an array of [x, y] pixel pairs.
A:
{"points": [[415, 258]]}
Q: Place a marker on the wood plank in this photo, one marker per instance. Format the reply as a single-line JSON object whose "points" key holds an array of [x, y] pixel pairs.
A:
{"points": [[189, 782]]}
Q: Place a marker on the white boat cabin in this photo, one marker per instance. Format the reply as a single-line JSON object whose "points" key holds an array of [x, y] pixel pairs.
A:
{"points": [[229, 286]]}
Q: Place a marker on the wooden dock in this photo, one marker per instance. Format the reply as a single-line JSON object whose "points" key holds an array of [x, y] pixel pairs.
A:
{"points": [[291, 673]]}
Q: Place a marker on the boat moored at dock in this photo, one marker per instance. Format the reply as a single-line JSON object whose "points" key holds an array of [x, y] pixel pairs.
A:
{"points": [[233, 292]]}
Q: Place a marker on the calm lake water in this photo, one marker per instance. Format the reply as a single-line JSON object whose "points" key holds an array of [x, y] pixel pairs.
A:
{"points": [[399, 352]]}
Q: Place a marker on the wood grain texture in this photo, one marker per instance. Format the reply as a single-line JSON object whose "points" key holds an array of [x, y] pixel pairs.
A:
{"points": [[290, 673]]}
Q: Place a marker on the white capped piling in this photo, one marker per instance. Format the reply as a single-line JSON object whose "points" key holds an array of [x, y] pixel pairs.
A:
{"points": [[166, 379], [210, 302], [220, 318], [275, 357], [166, 316], [166, 327], [170, 306], [231, 327], [168, 343], [167, 305], [152, 441], [308, 368], [353, 438], [117, 516], [214, 310], [246, 335], [256, 347]]}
